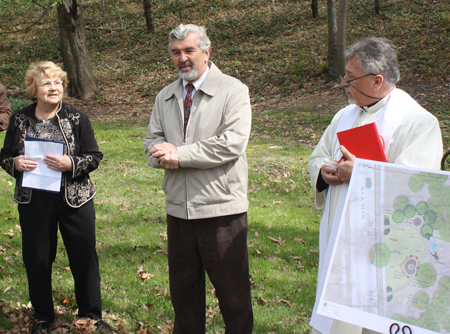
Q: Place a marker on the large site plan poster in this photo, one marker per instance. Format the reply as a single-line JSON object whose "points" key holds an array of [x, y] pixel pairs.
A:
{"points": [[391, 261]]}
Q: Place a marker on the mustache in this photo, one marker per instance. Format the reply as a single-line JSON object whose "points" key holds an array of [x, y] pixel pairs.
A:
{"points": [[187, 62]]}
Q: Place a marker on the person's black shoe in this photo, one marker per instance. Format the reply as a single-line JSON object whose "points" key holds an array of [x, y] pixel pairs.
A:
{"points": [[102, 325], [41, 328]]}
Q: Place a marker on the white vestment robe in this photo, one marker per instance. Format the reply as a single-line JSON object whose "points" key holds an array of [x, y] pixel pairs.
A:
{"points": [[412, 137]]}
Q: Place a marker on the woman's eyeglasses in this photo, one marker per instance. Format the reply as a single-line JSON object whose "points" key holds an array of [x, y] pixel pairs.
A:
{"points": [[50, 84]]}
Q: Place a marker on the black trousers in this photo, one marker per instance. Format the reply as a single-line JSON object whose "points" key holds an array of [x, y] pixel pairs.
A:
{"points": [[39, 222], [219, 246]]}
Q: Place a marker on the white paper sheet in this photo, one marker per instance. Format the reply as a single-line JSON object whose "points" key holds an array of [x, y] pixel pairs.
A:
{"points": [[42, 177]]}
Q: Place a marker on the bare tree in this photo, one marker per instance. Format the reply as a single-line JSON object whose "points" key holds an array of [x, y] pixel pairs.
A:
{"points": [[332, 39], [341, 36], [315, 9], [74, 51], [148, 12]]}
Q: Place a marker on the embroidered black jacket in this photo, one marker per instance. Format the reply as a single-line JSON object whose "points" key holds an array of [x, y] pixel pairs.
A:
{"points": [[81, 147]]}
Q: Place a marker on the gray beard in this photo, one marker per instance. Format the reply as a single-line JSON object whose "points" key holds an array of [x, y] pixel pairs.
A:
{"points": [[350, 100], [192, 75]]}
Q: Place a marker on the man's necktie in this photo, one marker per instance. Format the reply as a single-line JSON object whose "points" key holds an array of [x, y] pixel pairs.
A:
{"points": [[187, 105]]}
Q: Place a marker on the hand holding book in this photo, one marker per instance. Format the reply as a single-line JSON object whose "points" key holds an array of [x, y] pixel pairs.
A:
{"points": [[364, 142]]}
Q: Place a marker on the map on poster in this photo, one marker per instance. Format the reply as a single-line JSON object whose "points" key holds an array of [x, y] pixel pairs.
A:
{"points": [[391, 260]]}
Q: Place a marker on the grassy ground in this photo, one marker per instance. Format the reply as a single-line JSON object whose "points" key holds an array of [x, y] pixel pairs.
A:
{"points": [[283, 237]]}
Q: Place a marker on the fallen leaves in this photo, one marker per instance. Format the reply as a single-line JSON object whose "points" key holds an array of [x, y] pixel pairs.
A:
{"points": [[85, 325], [285, 301], [159, 251], [21, 320], [10, 233], [161, 292], [312, 251], [278, 241], [20, 316], [299, 240], [143, 275]]}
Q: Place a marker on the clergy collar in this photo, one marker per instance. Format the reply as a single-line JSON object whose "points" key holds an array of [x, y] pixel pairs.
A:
{"points": [[378, 105]]}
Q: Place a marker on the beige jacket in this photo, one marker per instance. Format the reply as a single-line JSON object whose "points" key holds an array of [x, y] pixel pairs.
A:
{"points": [[212, 178]]}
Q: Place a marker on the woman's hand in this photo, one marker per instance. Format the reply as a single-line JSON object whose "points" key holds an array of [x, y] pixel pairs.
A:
{"points": [[60, 164], [23, 164]]}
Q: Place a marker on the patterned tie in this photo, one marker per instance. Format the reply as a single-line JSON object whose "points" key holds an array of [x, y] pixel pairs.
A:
{"points": [[187, 105]]}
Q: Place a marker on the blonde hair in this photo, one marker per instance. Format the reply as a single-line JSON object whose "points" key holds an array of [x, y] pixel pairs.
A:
{"points": [[49, 68]]}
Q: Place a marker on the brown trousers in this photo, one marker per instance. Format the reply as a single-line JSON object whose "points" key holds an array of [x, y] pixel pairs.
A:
{"points": [[219, 246]]}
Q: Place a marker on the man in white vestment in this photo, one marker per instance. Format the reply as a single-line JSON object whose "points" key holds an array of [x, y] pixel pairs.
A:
{"points": [[411, 137]]}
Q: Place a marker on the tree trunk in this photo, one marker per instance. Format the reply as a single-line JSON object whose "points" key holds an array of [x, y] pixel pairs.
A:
{"points": [[341, 36], [377, 7], [74, 51], [315, 9], [332, 39], [148, 12]]}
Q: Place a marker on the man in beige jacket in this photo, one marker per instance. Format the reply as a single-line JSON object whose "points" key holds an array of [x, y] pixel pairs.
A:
{"points": [[5, 109], [198, 133]]}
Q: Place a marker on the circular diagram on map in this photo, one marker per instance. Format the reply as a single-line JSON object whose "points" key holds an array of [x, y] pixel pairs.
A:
{"points": [[409, 266], [380, 255], [430, 217], [426, 275], [409, 211], [421, 300], [422, 208], [427, 231], [417, 221], [398, 216]]}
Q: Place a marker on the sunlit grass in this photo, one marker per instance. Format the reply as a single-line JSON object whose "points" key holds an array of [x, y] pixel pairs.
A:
{"points": [[131, 238]]}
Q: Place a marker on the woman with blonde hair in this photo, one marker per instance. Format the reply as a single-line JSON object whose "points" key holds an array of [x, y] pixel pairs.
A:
{"points": [[72, 208]]}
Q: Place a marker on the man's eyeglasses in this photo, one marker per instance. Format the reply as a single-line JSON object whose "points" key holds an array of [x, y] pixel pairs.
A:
{"points": [[347, 82], [49, 84]]}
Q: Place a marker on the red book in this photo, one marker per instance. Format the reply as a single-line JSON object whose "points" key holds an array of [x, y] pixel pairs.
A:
{"points": [[364, 142]]}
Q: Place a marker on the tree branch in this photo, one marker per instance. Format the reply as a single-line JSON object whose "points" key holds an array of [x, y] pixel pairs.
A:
{"points": [[65, 6], [43, 7], [34, 23], [88, 28]]}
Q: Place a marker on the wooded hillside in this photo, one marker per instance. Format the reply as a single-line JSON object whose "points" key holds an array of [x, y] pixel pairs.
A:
{"points": [[273, 46]]}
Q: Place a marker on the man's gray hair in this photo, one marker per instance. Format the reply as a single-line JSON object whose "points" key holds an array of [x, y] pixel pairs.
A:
{"points": [[378, 56], [183, 30]]}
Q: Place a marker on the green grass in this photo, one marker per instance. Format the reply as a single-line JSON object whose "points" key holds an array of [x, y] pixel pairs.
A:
{"points": [[283, 238], [18, 104]]}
